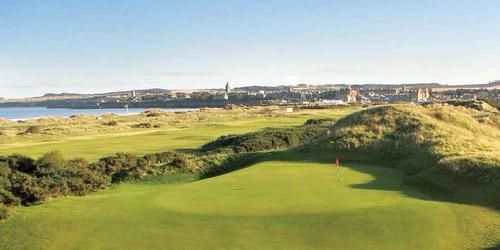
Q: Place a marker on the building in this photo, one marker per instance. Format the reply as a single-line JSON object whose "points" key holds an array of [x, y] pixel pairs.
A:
{"points": [[226, 93], [331, 102], [219, 96], [201, 95], [182, 96], [348, 94], [419, 95]]}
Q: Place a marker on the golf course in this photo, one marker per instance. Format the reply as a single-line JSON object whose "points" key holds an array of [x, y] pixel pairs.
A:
{"points": [[249, 125], [189, 131], [285, 199], [273, 204]]}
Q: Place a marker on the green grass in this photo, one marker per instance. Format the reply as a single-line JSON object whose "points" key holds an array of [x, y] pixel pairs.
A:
{"points": [[273, 204], [288, 201], [444, 147], [140, 142]]}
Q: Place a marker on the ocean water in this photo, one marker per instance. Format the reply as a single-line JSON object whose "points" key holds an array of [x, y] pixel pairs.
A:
{"points": [[32, 113]]}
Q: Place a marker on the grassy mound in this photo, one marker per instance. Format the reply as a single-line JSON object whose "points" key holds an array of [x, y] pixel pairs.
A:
{"points": [[444, 146]]}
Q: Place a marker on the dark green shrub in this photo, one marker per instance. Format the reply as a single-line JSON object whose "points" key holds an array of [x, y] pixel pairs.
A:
{"points": [[27, 189], [180, 161], [320, 121], [113, 164], [5, 170], [164, 157], [50, 163], [19, 163], [143, 125], [33, 130], [80, 179], [267, 139], [8, 199], [118, 166], [26, 181], [4, 212], [151, 158], [54, 185], [111, 123], [155, 113]]}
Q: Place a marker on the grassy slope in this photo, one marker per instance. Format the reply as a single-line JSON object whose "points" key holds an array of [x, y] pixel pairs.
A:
{"points": [[274, 204], [449, 148], [188, 136], [446, 131]]}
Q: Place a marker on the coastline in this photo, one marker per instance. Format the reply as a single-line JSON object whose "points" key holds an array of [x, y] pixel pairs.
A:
{"points": [[72, 112]]}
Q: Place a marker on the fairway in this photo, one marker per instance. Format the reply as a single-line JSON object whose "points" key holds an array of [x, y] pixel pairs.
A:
{"points": [[272, 204], [97, 145]]}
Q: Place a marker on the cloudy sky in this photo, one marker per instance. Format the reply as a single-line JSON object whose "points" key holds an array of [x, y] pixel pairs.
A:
{"points": [[95, 46]]}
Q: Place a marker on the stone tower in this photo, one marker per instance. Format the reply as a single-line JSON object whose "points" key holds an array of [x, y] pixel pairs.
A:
{"points": [[226, 93]]}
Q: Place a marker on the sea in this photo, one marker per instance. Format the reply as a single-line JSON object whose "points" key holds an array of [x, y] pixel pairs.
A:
{"points": [[34, 113]]}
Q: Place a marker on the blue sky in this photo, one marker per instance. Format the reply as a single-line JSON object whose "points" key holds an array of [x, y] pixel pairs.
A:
{"points": [[95, 46]]}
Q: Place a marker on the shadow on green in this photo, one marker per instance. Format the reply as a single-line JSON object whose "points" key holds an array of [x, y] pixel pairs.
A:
{"points": [[428, 191]]}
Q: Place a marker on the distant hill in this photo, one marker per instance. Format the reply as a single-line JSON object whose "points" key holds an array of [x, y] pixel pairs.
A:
{"points": [[490, 85], [61, 94]]}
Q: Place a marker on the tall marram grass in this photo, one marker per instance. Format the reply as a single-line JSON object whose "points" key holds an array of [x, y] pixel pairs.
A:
{"points": [[457, 142]]}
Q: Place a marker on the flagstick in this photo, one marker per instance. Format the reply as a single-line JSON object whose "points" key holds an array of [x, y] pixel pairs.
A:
{"points": [[338, 173], [337, 162]]}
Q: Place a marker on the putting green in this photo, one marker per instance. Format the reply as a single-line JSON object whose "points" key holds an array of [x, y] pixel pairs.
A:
{"points": [[273, 204]]}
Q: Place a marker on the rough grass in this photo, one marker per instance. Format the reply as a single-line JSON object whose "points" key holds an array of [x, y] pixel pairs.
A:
{"points": [[284, 202], [88, 138], [442, 145], [52, 127]]}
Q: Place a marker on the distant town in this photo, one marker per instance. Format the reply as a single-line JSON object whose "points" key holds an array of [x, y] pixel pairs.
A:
{"points": [[302, 94]]}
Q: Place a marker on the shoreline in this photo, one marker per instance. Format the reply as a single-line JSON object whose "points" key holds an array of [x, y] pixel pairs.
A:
{"points": [[173, 110]]}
